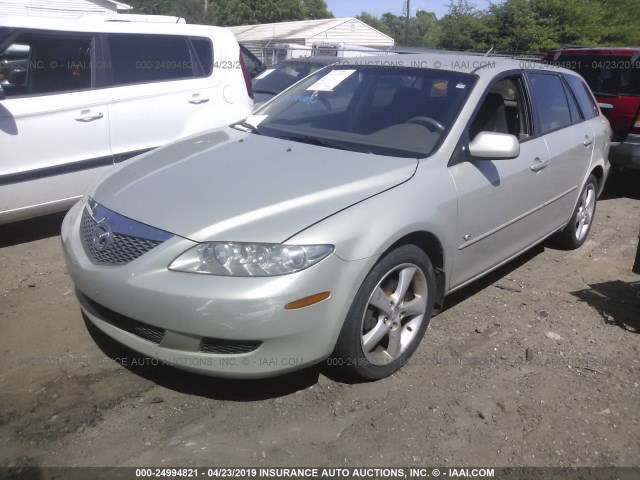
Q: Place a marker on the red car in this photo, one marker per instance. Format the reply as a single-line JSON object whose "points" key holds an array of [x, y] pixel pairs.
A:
{"points": [[613, 73]]}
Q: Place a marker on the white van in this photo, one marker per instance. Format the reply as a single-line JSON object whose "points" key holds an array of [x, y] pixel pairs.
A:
{"points": [[78, 97], [286, 51]]}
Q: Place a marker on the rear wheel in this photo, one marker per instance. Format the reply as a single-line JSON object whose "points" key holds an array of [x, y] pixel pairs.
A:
{"points": [[389, 315], [577, 230]]}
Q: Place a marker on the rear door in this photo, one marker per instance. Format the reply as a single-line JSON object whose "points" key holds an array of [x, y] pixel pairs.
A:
{"points": [[54, 125], [161, 88], [569, 138]]}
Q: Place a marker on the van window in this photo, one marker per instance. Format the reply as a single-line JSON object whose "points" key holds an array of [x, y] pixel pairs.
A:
{"points": [[585, 100], [204, 50], [38, 64], [550, 102], [149, 58]]}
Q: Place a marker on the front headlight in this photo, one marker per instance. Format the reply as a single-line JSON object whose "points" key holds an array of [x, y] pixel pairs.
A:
{"points": [[249, 259]]}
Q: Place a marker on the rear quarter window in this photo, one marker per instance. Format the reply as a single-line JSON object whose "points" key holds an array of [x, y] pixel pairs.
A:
{"points": [[204, 50], [583, 96]]}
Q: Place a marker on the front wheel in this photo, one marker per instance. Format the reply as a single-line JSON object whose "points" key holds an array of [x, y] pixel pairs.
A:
{"points": [[389, 315], [577, 230]]}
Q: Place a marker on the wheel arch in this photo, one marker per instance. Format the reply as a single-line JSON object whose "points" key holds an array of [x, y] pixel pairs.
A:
{"points": [[432, 247], [598, 172]]}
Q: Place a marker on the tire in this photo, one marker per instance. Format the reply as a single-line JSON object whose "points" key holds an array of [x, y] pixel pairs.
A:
{"points": [[576, 231], [381, 333]]}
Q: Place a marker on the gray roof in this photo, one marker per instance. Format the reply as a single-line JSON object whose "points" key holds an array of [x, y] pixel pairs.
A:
{"points": [[348, 30]]}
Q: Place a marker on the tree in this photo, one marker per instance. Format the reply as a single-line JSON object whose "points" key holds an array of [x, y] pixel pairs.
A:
{"points": [[247, 12], [193, 11], [315, 9], [421, 28], [464, 27], [622, 20], [515, 27], [375, 22]]}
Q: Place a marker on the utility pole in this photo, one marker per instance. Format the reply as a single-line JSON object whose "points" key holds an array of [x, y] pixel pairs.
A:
{"points": [[406, 22]]}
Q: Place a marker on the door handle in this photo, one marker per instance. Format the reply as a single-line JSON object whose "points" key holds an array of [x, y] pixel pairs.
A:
{"points": [[539, 165], [196, 99], [587, 141], [87, 116]]}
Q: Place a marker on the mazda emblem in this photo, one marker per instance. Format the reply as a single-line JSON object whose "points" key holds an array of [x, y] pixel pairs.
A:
{"points": [[102, 237]]}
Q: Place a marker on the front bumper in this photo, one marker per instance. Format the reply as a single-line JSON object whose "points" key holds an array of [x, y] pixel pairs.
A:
{"points": [[626, 153], [180, 313]]}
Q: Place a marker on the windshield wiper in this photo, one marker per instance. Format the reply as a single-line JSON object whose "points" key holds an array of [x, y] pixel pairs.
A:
{"points": [[247, 125], [316, 141]]}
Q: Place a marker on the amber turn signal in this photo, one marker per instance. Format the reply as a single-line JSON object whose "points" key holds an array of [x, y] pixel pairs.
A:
{"points": [[306, 301]]}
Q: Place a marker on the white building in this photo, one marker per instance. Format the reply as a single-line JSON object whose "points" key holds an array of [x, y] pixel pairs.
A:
{"points": [[306, 32], [62, 8]]}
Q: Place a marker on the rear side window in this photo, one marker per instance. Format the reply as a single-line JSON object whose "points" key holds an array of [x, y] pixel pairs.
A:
{"points": [[149, 58], [45, 64], [550, 102], [573, 107], [587, 104], [204, 50]]}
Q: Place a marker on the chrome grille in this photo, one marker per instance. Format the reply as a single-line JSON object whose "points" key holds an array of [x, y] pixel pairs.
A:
{"points": [[104, 240]]}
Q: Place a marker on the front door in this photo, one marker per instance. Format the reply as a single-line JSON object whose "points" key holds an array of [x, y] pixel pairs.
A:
{"points": [[499, 201]]}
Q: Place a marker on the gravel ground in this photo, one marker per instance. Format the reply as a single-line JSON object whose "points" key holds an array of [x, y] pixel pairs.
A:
{"points": [[535, 365]]}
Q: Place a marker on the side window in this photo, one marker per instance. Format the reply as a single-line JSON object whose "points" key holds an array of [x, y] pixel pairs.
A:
{"points": [[573, 108], [587, 104], [204, 50], [504, 110], [38, 64], [550, 102], [149, 58]]}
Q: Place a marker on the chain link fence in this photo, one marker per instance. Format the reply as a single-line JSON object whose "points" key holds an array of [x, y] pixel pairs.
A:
{"points": [[273, 54]]}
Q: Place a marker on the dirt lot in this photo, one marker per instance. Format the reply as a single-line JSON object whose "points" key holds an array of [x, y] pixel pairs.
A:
{"points": [[69, 396]]}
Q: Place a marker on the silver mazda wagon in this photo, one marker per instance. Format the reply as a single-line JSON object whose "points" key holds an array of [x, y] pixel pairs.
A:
{"points": [[333, 221]]}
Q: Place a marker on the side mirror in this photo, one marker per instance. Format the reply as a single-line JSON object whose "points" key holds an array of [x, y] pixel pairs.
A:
{"points": [[494, 146]]}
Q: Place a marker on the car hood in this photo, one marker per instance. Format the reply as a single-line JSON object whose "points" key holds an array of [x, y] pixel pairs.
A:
{"points": [[234, 186]]}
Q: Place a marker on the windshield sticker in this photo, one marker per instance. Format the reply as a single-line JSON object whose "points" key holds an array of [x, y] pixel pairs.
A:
{"points": [[302, 98], [255, 120], [264, 74], [331, 80], [461, 85]]}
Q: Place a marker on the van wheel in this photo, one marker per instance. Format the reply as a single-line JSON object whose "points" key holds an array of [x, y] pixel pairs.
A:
{"points": [[388, 316], [576, 231]]}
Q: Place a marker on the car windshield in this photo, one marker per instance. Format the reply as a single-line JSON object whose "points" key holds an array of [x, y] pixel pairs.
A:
{"points": [[283, 76], [395, 111], [605, 74]]}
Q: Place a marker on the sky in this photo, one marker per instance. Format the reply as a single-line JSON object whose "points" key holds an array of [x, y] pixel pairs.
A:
{"points": [[351, 8]]}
